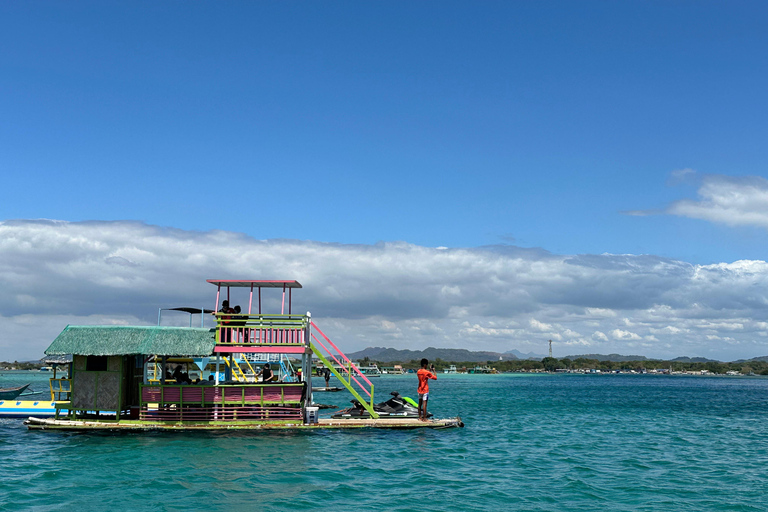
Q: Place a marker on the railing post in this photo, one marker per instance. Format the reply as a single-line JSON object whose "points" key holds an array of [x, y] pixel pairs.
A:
{"points": [[307, 372]]}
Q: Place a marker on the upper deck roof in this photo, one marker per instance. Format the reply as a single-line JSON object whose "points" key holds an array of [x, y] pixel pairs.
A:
{"points": [[236, 283]]}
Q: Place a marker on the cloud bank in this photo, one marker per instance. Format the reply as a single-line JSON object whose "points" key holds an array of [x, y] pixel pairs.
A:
{"points": [[499, 298]]}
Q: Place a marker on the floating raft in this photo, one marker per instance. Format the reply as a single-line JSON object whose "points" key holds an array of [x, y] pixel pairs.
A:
{"points": [[135, 425]]}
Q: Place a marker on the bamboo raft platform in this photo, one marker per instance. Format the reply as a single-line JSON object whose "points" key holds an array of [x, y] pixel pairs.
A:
{"points": [[323, 424]]}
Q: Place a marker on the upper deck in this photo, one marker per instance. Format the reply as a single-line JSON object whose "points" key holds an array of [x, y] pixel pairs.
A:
{"points": [[252, 330]]}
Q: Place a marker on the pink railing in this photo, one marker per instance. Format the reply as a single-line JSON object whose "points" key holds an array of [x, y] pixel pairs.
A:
{"points": [[340, 359], [273, 336], [208, 395], [260, 402], [260, 329], [221, 413]]}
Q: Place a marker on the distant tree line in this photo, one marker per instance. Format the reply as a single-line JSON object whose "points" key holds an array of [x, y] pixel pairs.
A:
{"points": [[551, 364], [24, 365]]}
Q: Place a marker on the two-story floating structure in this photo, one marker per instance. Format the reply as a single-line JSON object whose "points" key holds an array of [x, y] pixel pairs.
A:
{"points": [[187, 378]]}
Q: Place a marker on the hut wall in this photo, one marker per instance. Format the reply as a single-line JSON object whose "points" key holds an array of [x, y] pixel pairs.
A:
{"points": [[97, 390]]}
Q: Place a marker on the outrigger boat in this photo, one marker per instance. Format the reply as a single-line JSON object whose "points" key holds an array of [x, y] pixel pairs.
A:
{"points": [[115, 383], [11, 393]]}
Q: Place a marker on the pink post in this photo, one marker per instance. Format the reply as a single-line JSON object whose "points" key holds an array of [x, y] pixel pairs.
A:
{"points": [[282, 308], [216, 308]]}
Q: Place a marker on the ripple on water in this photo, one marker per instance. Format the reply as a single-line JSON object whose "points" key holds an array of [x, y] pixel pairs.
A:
{"points": [[543, 443]]}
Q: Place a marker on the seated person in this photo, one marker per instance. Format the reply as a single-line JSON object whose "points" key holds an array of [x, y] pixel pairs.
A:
{"points": [[178, 375], [181, 377]]}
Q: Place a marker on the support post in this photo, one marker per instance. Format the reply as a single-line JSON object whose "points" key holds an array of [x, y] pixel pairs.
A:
{"points": [[307, 371]]}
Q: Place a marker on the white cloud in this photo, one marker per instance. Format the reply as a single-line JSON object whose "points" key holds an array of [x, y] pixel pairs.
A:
{"points": [[392, 294], [620, 334], [729, 200], [540, 326]]}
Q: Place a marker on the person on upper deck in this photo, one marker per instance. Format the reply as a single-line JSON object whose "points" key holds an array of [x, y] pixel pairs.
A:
{"points": [[424, 375], [238, 322], [226, 322]]}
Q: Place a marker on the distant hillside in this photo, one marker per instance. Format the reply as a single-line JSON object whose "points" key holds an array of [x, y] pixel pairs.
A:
{"points": [[763, 359], [522, 355], [388, 355], [616, 358], [693, 360]]}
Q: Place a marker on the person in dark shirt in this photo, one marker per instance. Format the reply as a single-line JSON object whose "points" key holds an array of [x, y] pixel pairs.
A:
{"points": [[327, 376], [238, 323], [226, 322], [181, 377], [266, 374]]}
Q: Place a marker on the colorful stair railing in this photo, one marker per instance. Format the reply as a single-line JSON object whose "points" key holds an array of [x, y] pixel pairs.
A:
{"points": [[325, 349]]}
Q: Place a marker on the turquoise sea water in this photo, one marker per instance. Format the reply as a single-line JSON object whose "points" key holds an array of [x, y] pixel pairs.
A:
{"points": [[531, 442]]}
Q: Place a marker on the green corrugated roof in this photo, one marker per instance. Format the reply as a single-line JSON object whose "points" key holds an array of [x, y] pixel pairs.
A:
{"points": [[100, 340]]}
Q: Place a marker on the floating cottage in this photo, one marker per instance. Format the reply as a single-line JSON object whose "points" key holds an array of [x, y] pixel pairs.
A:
{"points": [[120, 377]]}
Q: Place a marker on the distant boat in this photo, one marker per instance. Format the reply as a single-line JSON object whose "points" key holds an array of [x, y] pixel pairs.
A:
{"points": [[372, 370], [11, 393]]}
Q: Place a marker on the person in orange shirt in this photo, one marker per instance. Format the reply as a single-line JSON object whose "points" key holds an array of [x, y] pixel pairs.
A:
{"points": [[424, 375]]}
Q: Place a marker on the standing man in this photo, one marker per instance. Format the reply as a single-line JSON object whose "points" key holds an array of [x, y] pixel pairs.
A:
{"points": [[327, 376], [424, 375], [266, 374]]}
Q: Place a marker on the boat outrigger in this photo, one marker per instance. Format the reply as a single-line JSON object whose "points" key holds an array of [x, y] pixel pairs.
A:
{"points": [[121, 376]]}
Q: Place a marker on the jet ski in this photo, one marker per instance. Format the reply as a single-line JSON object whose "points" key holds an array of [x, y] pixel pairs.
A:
{"points": [[396, 407]]}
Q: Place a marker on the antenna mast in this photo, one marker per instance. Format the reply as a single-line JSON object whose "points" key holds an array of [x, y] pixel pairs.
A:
{"points": [[550, 348]]}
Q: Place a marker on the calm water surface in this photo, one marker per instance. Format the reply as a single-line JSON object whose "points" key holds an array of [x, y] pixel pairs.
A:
{"points": [[532, 442]]}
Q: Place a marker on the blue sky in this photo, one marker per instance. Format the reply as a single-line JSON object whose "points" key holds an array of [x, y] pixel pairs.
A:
{"points": [[561, 126]]}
